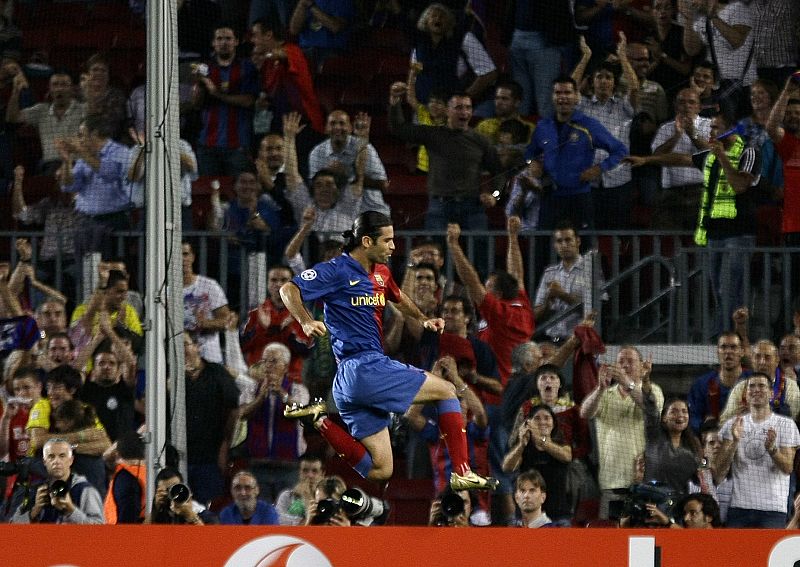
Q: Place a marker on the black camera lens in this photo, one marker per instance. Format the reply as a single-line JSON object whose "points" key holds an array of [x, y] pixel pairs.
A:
{"points": [[58, 489], [179, 493], [362, 508], [326, 509], [452, 505]]}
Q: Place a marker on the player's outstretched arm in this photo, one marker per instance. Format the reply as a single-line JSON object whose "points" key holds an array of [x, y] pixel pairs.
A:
{"points": [[409, 309], [293, 300]]}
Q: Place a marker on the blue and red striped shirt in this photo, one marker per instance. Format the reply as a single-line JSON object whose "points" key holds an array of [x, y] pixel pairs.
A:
{"points": [[227, 125]]}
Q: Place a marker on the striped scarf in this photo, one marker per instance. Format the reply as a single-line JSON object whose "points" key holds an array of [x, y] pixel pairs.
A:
{"points": [[283, 443]]}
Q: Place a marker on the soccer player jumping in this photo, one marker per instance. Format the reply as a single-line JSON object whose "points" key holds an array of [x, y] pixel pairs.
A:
{"points": [[368, 385]]}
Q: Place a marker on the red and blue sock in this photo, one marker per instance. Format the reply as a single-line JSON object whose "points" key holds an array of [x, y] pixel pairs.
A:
{"points": [[346, 446]]}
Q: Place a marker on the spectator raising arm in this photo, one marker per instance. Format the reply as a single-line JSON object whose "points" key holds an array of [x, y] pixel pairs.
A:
{"points": [[580, 68], [291, 128], [790, 90], [514, 265], [465, 270]]}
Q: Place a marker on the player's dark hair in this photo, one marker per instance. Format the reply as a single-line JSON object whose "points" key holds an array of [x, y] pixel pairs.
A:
{"points": [[368, 223], [534, 477]]}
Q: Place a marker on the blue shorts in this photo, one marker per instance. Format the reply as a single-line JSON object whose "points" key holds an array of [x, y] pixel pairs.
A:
{"points": [[370, 385]]}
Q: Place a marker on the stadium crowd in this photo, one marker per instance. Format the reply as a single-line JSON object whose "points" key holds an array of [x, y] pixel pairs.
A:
{"points": [[592, 114]]}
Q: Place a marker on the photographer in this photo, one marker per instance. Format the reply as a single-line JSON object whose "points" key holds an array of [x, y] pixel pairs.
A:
{"points": [[173, 503], [66, 498], [451, 509], [700, 511], [324, 509]]}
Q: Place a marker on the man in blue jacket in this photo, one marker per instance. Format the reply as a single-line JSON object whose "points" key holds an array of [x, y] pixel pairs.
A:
{"points": [[247, 508], [563, 148]]}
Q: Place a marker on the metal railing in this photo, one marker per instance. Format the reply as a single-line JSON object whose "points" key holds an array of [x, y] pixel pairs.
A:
{"points": [[655, 285]]}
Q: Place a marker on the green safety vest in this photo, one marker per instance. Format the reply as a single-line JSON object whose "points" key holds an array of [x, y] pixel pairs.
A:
{"points": [[723, 205]]}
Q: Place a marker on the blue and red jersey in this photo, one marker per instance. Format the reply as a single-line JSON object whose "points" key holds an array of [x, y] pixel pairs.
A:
{"points": [[354, 302], [226, 125]]}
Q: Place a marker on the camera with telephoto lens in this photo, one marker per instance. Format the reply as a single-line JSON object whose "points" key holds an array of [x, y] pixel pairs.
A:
{"points": [[58, 489], [326, 509], [452, 506], [179, 493], [21, 468], [638, 496], [363, 509]]}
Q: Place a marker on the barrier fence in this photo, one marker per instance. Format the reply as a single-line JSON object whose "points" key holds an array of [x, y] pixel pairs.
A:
{"points": [[655, 287]]}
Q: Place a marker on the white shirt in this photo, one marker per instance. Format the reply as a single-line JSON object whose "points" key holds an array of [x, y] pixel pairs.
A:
{"points": [[203, 296], [758, 484], [677, 176], [187, 177], [575, 280], [731, 61], [323, 154], [616, 115]]}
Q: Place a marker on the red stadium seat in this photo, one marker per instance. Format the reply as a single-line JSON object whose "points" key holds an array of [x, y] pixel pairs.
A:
{"points": [[386, 38], [394, 65], [397, 155]]}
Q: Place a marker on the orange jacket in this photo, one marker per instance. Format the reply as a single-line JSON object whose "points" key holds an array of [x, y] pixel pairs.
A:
{"points": [[110, 506]]}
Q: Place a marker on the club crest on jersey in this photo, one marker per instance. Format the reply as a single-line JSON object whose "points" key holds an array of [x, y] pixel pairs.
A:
{"points": [[308, 275], [379, 279]]}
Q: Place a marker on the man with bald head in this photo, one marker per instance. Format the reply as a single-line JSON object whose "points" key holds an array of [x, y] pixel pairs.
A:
{"points": [[346, 142], [681, 187], [651, 97], [618, 411], [785, 397]]}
